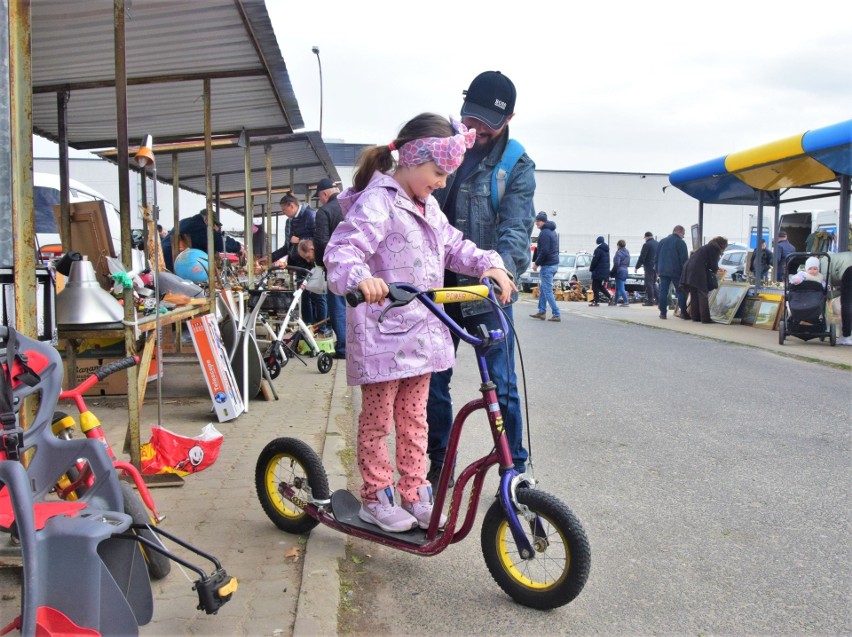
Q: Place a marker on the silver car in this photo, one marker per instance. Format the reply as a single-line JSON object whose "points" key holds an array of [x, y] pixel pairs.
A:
{"points": [[572, 267]]}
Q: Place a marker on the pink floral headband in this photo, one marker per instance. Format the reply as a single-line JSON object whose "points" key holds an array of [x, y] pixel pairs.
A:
{"points": [[446, 152]]}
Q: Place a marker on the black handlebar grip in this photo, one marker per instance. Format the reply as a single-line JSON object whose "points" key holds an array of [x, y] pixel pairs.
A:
{"points": [[355, 298], [117, 366]]}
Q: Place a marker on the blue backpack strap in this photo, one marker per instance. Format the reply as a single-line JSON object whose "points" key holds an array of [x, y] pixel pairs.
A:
{"points": [[511, 154]]}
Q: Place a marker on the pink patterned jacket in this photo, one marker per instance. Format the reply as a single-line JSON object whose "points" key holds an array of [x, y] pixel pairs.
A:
{"points": [[384, 235]]}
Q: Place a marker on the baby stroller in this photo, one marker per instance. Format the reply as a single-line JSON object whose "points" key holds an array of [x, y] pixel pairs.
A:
{"points": [[804, 303]]}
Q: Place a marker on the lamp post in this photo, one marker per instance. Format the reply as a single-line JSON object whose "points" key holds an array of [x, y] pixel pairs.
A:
{"points": [[316, 52]]}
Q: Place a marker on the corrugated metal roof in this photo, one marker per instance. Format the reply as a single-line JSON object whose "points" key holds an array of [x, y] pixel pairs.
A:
{"points": [[171, 46], [298, 161]]}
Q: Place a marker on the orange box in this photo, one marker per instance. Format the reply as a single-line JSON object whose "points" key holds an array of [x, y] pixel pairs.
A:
{"points": [[216, 367]]}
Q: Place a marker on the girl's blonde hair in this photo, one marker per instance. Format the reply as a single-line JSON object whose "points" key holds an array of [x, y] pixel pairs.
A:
{"points": [[379, 158]]}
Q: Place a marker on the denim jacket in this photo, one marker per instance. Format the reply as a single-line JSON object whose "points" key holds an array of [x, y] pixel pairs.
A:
{"points": [[508, 232]]}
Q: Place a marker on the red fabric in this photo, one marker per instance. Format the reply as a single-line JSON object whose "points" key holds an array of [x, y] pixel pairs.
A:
{"points": [[42, 511]]}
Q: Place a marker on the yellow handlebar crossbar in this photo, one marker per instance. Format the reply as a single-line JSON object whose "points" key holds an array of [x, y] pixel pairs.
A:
{"points": [[460, 294]]}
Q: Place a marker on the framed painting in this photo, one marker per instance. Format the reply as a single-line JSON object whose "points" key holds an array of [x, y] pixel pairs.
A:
{"points": [[749, 310], [726, 301], [767, 314]]}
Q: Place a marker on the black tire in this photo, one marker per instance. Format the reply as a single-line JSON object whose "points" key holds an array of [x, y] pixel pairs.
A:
{"points": [[293, 462], [324, 363], [781, 332], [560, 567], [832, 334], [158, 564]]}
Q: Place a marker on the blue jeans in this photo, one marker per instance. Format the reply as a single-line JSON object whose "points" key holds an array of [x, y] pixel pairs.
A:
{"points": [[314, 308], [665, 281], [337, 314], [621, 291], [439, 409], [546, 296]]}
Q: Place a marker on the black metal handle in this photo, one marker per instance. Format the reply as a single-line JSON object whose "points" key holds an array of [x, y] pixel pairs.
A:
{"points": [[116, 366]]}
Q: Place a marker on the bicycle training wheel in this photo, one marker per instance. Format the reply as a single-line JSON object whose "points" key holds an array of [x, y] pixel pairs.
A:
{"points": [[292, 462], [559, 567], [159, 565], [324, 363]]}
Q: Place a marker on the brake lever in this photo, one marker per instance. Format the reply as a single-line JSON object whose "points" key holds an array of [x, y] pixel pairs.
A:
{"points": [[400, 298]]}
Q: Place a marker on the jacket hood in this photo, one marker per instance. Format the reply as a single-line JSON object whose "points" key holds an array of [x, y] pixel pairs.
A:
{"points": [[549, 225], [350, 196]]}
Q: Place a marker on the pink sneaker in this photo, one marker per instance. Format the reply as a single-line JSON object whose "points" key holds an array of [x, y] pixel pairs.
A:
{"points": [[385, 514], [422, 510]]}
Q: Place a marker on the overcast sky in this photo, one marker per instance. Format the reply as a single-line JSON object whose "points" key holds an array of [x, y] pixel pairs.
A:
{"points": [[613, 86]]}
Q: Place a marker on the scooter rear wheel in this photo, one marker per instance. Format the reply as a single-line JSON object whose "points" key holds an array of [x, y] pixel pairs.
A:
{"points": [[292, 462], [559, 567]]}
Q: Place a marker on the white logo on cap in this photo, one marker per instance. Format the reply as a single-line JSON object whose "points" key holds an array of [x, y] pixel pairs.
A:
{"points": [[500, 104]]}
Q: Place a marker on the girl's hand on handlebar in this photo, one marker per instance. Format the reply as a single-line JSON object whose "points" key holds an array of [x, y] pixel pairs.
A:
{"points": [[374, 290], [501, 279]]}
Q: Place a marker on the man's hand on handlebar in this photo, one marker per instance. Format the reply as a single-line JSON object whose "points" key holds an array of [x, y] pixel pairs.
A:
{"points": [[502, 280], [374, 290]]}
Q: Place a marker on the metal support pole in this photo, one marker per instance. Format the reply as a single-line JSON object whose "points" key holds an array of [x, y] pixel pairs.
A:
{"points": [[64, 182], [249, 216], [119, 16], [700, 223], [757, 257], [208, 189], [175, 206], [843, 219], [267, 149]]}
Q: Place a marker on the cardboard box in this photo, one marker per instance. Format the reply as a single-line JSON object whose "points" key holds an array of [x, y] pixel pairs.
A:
{"points": [[113, 385], [216, 367]]}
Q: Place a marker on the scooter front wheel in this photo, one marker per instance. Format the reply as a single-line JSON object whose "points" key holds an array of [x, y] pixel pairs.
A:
{"points": [[291, 462], [559, 567]]}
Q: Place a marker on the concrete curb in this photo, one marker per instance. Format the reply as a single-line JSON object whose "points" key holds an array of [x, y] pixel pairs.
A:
{"points": [[319, 594]]}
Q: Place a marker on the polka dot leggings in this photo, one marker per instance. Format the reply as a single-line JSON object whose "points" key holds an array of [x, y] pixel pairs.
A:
{"points": [[402, 401]]}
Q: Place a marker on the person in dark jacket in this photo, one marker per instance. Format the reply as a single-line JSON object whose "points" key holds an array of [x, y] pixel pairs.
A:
{"points": [[547, 260], [620, 265], [599, 269], [329, 215], [196, 227], [765, 262], [301, 224], [703, 263], [671, 257], [648, 260], [783, 249]]}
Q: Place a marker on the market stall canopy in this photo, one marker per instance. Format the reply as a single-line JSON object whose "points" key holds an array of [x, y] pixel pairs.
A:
{"points": [[170, 51], [815, 157], [297, 161]]}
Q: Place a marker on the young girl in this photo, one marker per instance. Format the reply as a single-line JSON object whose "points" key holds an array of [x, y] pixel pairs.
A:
{"points": [[393, 231]]}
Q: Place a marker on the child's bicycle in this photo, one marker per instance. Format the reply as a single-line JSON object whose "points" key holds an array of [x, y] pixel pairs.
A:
{"points": [[284, 343], [534, 546], [138, 505]]}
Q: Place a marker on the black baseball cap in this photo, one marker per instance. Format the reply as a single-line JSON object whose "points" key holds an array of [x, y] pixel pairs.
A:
{"points": [[490, 99], [324, 184]]}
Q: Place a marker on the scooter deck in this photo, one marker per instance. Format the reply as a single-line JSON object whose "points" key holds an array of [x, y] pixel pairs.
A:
{"points": [[345, 507]]}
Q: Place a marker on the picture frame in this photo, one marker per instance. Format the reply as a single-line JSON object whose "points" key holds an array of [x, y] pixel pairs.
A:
{"points": [[767, 314], [749, 311], [726, 301]]}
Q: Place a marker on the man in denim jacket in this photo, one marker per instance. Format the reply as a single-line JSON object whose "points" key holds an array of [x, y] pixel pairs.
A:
{"points": [[488, 107]]}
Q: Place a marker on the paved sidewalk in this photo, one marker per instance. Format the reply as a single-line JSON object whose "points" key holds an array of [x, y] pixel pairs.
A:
{"points": [[289, 585]]}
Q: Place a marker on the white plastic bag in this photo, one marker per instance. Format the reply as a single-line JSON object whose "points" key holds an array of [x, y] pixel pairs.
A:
{"points": [[316, 282]]}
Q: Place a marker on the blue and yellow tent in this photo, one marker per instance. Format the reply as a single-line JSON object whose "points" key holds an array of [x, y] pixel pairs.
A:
{"points": [[815, 157]]}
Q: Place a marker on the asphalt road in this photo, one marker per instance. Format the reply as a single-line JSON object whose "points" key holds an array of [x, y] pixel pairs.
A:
{"points": [[712, 480]]}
